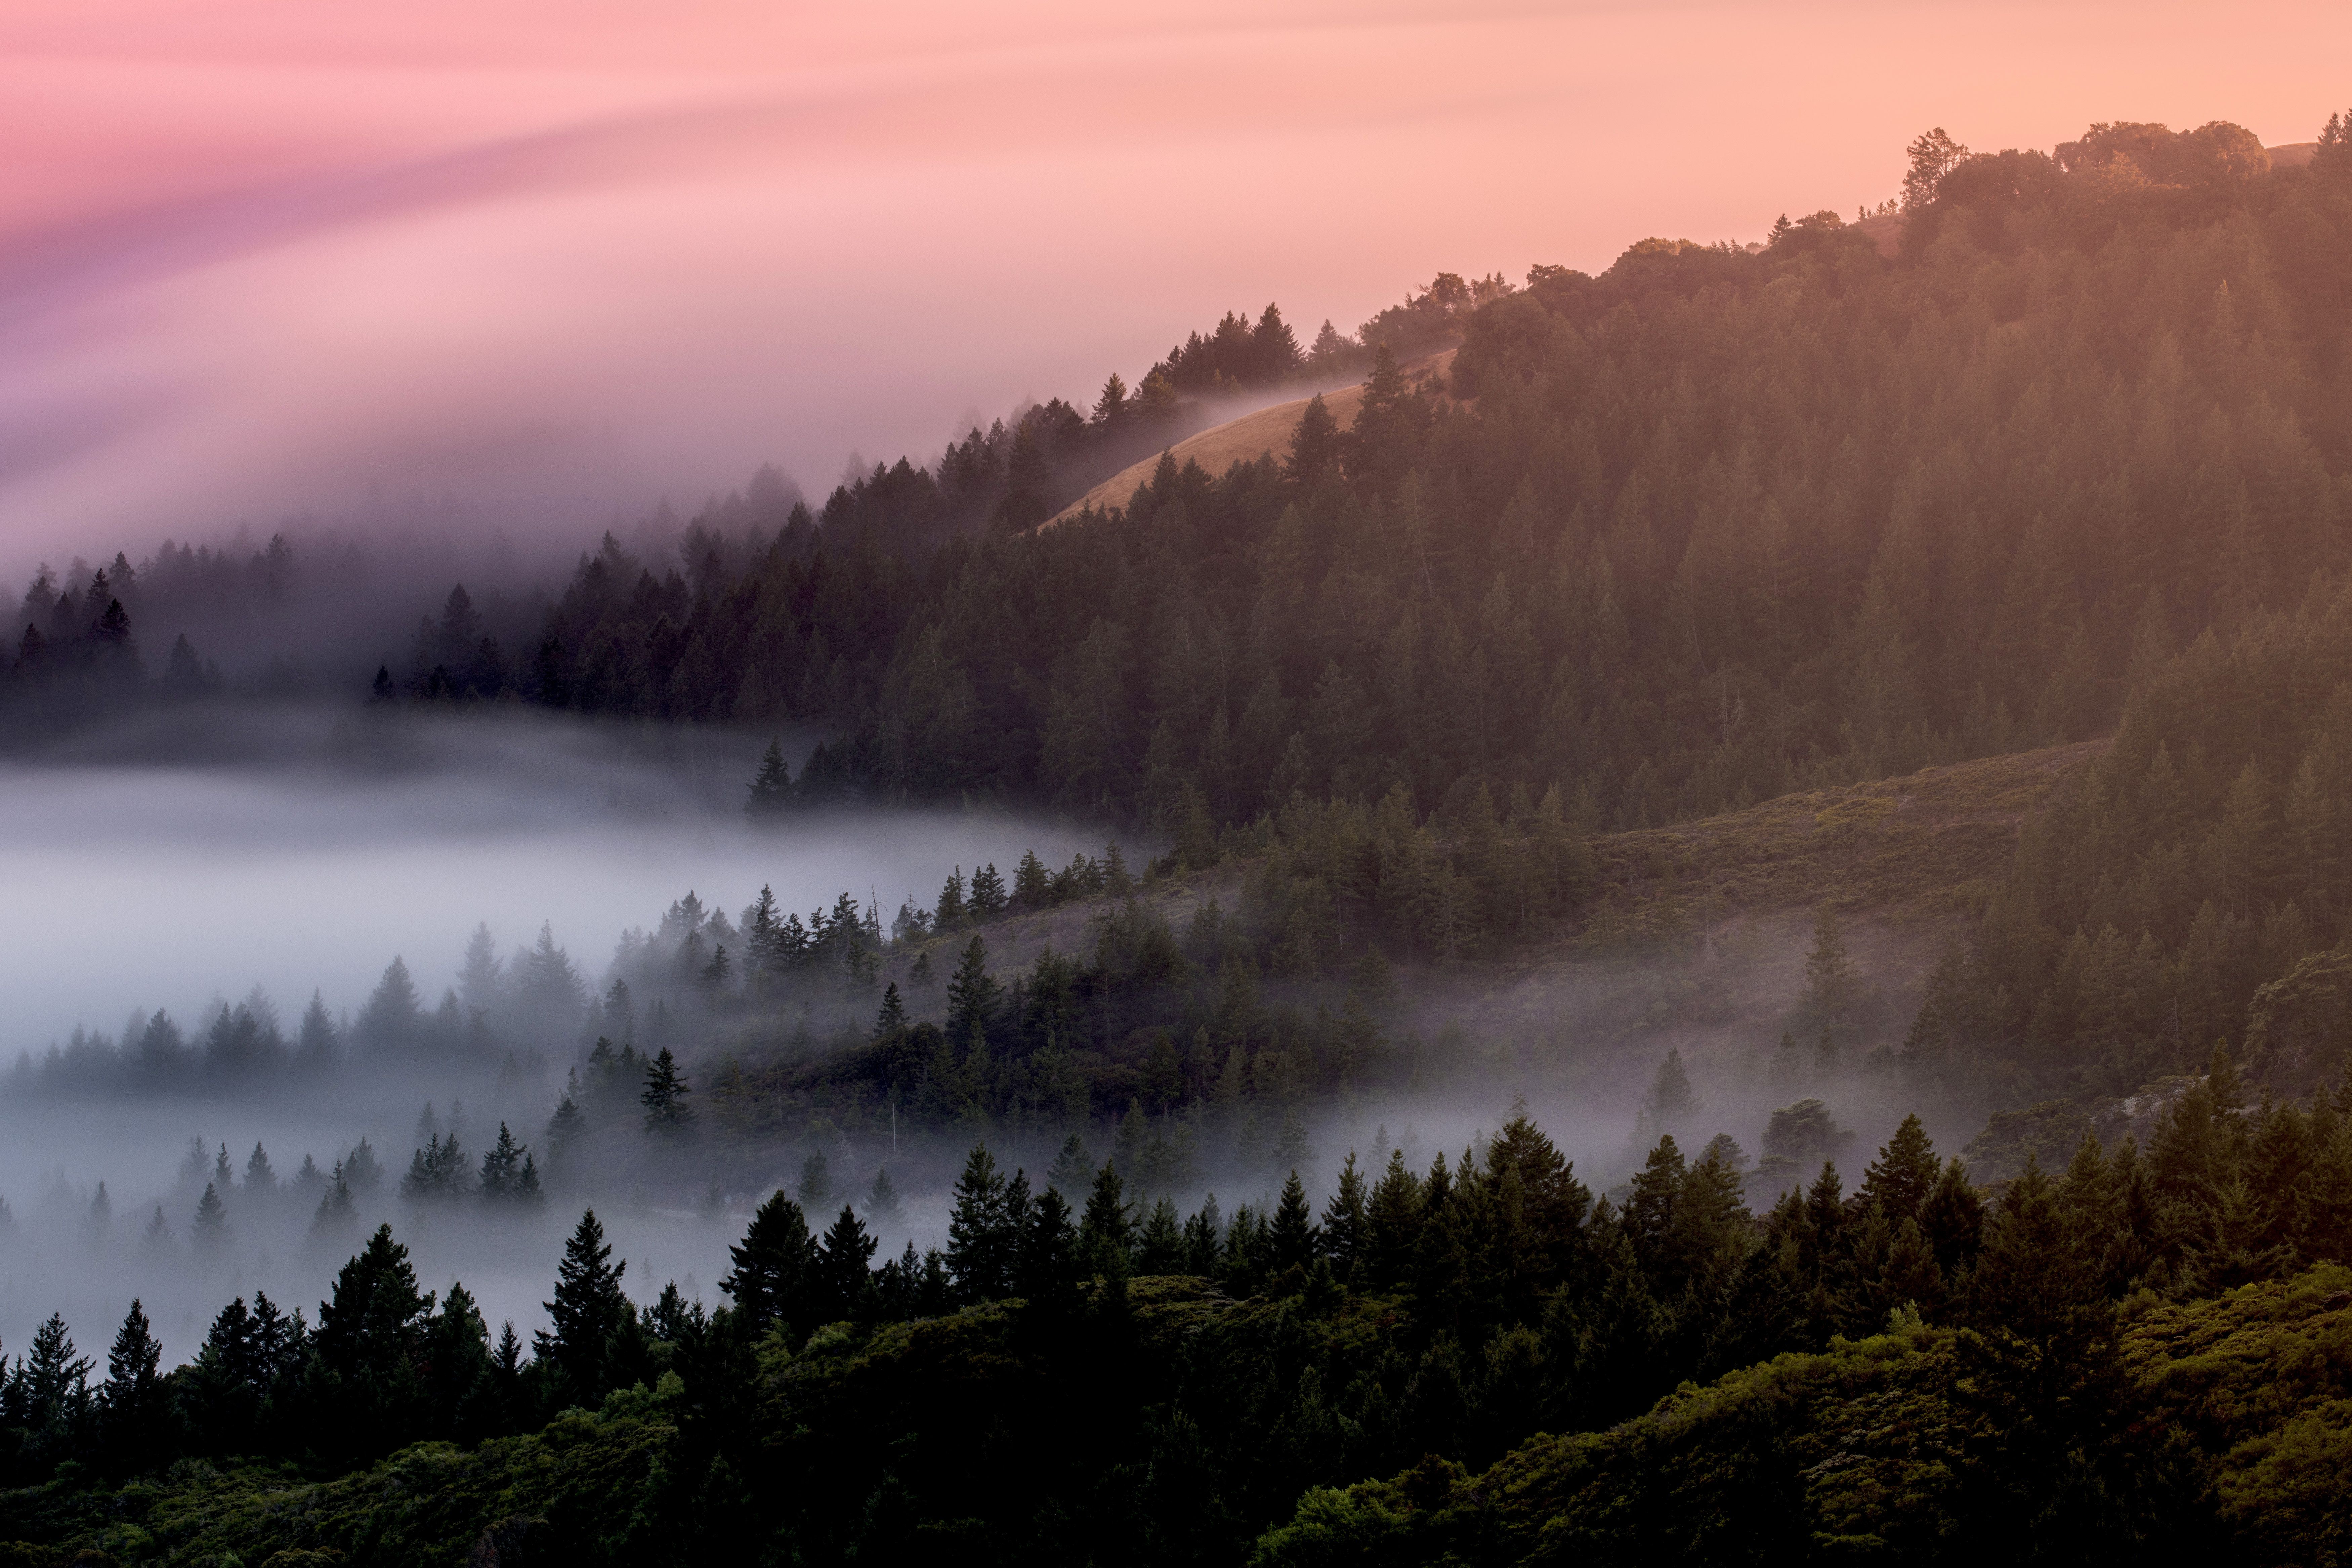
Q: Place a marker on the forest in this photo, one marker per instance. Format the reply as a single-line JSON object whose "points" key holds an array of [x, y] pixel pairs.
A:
{"points": [[2144, 1347], [1383, 738]]}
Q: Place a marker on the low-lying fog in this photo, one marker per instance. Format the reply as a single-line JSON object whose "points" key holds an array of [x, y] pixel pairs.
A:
{"points": [[304, 849], [279, 851]]}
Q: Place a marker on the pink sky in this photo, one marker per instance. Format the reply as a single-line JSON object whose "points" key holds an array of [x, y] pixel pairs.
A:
{"points": [[258, 255]]}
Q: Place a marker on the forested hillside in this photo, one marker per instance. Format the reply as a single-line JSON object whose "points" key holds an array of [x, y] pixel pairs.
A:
{"points": [[2141, 1354], [1708, 525]]}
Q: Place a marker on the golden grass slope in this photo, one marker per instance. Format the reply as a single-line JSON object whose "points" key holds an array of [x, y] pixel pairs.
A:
{"points": [[1243, 440], [1920, 847]]}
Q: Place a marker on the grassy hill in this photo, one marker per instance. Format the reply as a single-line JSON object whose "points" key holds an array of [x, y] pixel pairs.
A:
{"points": [[1242, 440]]}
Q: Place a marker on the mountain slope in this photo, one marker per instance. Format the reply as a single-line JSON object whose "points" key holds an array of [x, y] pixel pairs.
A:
{"points": [[1266, 432]]}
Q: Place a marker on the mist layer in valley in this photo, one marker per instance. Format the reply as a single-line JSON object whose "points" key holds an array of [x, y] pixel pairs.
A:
{"points": [[195, 906]]}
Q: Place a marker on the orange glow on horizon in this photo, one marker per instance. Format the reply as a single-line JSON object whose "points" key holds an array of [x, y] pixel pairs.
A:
{"points": [[258, 255]]}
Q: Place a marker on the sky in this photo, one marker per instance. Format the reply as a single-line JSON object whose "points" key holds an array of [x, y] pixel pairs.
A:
{"points": [[560, 260]]}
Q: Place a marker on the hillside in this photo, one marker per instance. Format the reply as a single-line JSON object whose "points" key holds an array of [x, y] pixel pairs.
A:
{"points": [[1694, 936], [2223, 1428], [1243, 440], [1916, 849]]}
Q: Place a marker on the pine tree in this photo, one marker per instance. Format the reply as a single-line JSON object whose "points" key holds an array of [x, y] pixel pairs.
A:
{"points": [[566, 1128], [988, 895], [1952, 1220], [816, 1182], [771, 1274], [1046, 1275], [1160, 1249], [1314, 445], [501, 1176], [361, 1170], [845, 1265], [1293, 1233], [973, 996], [950, 910], [770, 793], [391, 1016], [371, 1325], [1671, 1102], [1203, 1239], [1393, 1225], [1832, 977], [528, 1192], [1347, 1219], [883, 1210], [979, 1250], [891, 1021], [1107, 1233], [1073, 1170], [666, 1110], [52, 1389], [1903, 1176], [336, 1216], [588, 1314], [209, 1233], [1032, 888], [133, 1405], [1291, 1149]]}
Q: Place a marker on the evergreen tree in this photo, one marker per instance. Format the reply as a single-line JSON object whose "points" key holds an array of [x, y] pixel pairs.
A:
{"points": [[666, 1112], [1047, 1275], [1903, 1176], [1073, 1170], [950, 910], [502, 1166], [1159, 1248], [336, 1218], [588, 1314], [1392, 1226], [1671, 1102], [1832, 977], [370, 1338], [209, 1233], [1031, 885], [988, 895], [891, 1021], [1107, 1234], [770, 1279], [1314, 445], [51, 1389], [1346, 1220], [816, 1182], [134, 1403], [566, 1128], [1203, 1239], [843, 1267], [361, 1170], [973, 996], [1293, 1232], [883, 1210], [772, 788], [979, 1246]]}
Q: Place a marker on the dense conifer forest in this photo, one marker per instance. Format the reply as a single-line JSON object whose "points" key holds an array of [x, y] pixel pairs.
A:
{"points": [[2144, 1349], [2050, 460]]}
